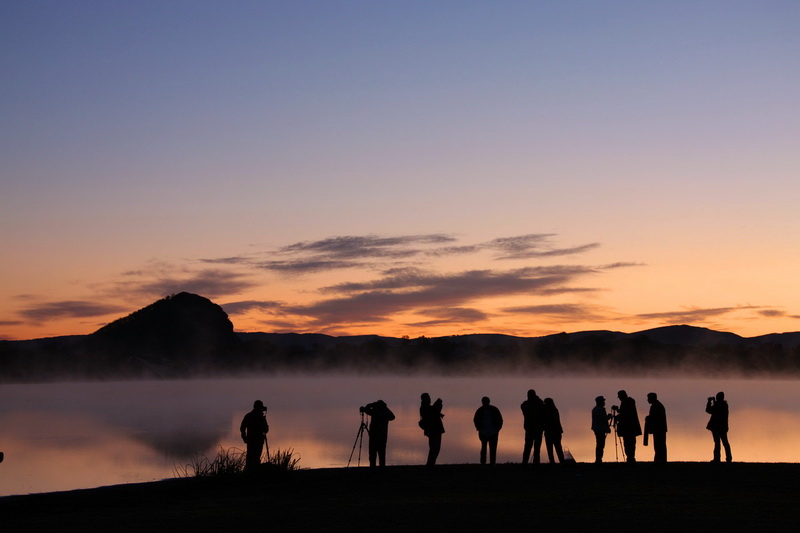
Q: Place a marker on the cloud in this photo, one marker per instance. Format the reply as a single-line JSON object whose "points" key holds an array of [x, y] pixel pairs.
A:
{"points": [[772, 313], [535, 245], [69, 309], [566, 311], [692, 315], [450, 315], [235, 308], [369, 246], [211, 283], [308, 266], [404, 290]]}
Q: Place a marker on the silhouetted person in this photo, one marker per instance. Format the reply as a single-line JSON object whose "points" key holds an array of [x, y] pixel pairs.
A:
{"points": [[380, 416], [628, 426], [718, 425], [488, 422], [430, 420], [552, 431], [254, 430], [533, 422], [600, 427], [655, 424]]}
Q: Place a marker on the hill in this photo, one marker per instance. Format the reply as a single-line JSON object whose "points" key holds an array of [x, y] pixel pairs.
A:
{"points": [[188, 335]]}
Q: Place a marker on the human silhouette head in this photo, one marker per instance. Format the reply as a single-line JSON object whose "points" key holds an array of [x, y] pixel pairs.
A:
{"points": [[600, 400], [720, 396], [531, 394], [426, 398], [485, 400], [549, 402], [258, 405], [622, 395], [651, 397]]}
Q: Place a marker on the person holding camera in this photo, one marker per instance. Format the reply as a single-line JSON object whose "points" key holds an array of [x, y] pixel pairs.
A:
{"points": [[430, 420], [718, 425], [380, 416], [600, 427], [628, 426], [254, 430]]}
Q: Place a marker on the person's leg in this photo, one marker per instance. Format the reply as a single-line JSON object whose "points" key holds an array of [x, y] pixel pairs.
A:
{"points": [[548, 444], [526, 451], [537, 447], [493, 449], [434, 445], [484, 443], [724, 438], [373, 452], [716, 445], [630, 448], [382, 452], [559, 449], [660, 447], [600, 445]]}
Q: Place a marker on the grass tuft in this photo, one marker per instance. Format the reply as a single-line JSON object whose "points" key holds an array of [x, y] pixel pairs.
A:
{"points": [[231, 461]]}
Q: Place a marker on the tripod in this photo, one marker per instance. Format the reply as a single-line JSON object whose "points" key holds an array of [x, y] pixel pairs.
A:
{"points": [[359, 439], [618, 444]]}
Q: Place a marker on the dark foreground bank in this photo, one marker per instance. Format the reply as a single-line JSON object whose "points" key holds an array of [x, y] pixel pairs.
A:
{"points": [[582, 497]]}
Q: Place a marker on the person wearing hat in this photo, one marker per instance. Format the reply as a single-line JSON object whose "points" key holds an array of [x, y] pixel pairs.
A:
{"points": [[600, 427], [254, 430]]}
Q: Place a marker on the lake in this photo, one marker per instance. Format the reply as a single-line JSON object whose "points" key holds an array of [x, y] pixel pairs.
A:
{"points": [[78, 435]]}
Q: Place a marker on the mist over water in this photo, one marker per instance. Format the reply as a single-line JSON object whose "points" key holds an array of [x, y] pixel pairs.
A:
{"points": [[76, 435]]}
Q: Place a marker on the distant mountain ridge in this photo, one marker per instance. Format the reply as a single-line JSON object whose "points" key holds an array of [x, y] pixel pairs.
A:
{"points": [[188, 335]]}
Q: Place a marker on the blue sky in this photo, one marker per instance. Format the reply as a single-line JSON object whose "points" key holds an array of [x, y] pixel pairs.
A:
{"points": [[151, 137]]}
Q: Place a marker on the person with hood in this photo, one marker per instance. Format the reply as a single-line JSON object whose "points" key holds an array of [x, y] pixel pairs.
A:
{"points": [[380, 416]]}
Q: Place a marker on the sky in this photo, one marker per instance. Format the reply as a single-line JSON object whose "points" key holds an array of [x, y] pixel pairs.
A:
{"points": [[402, 168]]}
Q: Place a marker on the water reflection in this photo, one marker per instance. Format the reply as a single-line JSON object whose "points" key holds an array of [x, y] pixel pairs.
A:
{"points": [[74, 435]]}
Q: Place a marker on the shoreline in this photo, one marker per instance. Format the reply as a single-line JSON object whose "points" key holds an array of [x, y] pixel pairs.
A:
{"points": [[468, 497]]}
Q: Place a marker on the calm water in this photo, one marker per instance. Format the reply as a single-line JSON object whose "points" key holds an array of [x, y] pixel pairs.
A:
{"points": [[78, 435]]}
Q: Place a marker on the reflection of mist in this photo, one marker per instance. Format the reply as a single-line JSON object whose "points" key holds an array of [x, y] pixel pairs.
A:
{"points": [[161, 423]]}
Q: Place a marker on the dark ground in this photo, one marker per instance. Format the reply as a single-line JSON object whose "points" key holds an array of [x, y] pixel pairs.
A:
{"points": [[582, 497]]}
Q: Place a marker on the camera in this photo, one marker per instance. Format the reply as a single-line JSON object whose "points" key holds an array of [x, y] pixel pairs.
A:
{"points": [[614, 408], [710, 398]]}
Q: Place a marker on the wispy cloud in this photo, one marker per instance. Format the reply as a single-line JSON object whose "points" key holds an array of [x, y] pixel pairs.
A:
{"points": [[161, 281], [535, 245], [692, 315], [235, 308], [561, 312], [69, 309], [411, 290], [450, 315]]}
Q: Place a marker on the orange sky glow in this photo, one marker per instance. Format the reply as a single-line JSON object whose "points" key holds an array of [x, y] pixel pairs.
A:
{"points": [[404, 169]]}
